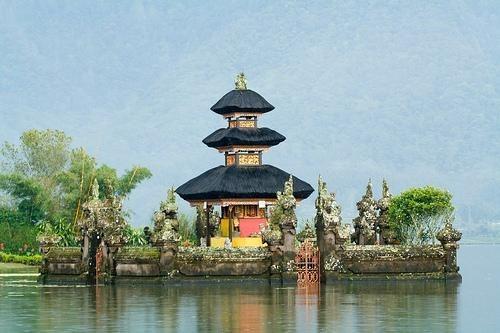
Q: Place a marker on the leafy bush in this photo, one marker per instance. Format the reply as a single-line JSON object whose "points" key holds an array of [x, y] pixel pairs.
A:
{"points": [[416, 215], [135, 236], [187, 229], [307, 232], [18, 238], [35, 259], [61, 228]]}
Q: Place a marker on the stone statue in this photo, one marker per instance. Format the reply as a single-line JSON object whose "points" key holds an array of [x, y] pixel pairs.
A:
{"points": [[364, 224], [328, 219], [282, 215], [103, 217], [286, 204], [449, 237], [280, 233], [383, 218], [327, 209], [322, 194], [241, 82], [166, 225]]}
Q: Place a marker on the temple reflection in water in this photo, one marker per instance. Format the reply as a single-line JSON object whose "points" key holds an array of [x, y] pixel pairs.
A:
{"points": [[352, 306]]}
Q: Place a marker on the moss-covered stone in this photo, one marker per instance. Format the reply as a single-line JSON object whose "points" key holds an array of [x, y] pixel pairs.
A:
{"points": [[221, 254], [138, 253], [391, 252], [64, 254]]}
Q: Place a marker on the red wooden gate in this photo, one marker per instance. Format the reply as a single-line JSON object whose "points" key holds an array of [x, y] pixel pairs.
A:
{"points": [[307, 264]]}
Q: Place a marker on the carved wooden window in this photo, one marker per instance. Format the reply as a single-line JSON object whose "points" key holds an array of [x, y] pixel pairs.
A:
{"points": [[230, 159], [249, 159], [246, 123], [250, 210], [243, 123]]}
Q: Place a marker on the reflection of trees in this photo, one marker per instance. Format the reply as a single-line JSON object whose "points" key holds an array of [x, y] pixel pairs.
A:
{"points": [[225, 307]]}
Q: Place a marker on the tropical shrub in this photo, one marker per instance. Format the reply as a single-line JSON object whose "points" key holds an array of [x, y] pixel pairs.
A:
{"points": [[34, 259], [307, 232], [61, 228], [135, 236], [187, 229], [416, 215], [18, 238], [16, 235]]}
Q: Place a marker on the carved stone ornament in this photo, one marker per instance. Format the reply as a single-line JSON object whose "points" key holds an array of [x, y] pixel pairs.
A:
{"points": [[364, 224], [166, 225], [240, 82], [328, 211], [104, 217]]}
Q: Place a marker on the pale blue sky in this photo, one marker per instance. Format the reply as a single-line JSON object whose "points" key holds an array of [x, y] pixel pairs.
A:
{"points": [[404, 90]]}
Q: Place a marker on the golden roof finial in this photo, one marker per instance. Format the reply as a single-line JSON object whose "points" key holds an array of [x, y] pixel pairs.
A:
{"points": [[241, 82]]}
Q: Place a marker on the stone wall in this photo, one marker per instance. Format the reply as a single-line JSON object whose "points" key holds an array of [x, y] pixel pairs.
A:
{"points": [[169, 262], [223, 262], [137, 261], [62, 261], [162, 261], [387, 262]]}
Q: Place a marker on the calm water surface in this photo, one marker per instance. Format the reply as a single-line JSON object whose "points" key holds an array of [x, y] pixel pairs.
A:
{"points": [[472, 306]]}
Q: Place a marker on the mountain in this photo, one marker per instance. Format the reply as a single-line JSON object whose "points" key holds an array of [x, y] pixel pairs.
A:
{"points": [[407, 91]]}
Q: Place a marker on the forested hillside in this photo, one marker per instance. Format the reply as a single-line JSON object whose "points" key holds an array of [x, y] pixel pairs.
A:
{"points": [[410, 91]]}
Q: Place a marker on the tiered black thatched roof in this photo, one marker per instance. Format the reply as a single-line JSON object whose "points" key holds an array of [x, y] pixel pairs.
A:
{"points": [[252, 182], [242, 101], [249, 136]]}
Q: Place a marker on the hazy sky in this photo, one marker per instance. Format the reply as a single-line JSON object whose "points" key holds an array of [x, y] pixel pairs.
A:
{"points": [[404, 90]]}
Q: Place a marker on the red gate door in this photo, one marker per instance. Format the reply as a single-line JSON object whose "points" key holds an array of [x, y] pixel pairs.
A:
{"points": [[307, 264]]}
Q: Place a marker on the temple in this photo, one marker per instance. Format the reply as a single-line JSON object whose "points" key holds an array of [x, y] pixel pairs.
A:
{"points": [[246, 225], [244, 188]]}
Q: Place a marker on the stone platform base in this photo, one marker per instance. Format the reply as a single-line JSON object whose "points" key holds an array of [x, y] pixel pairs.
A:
{"points": [[333, 277]]}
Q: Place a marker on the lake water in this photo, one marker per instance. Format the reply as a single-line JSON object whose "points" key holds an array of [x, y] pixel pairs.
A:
{"points": [[471, 306]]}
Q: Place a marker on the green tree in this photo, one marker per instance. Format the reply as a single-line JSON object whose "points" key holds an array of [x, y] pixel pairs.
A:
{"points": [[40, 154], [43, 179], [77, 180], [29, 196], [29, 172], [417, 214]]}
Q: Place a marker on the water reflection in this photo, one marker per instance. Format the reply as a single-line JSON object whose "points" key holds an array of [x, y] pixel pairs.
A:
{"points": [[390, 306], [360, 306]]}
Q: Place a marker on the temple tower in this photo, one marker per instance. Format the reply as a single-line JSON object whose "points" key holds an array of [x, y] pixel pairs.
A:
{"points": [[244, 186]]}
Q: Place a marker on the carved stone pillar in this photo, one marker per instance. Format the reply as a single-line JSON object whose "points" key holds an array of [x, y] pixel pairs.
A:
{"points": [[168, 252], [276, 258], [289, 274], [449, 238], [112, 251], [361, 238], [326, 239], [44, 250], [289, 232], [85, 252], [329, 239]]}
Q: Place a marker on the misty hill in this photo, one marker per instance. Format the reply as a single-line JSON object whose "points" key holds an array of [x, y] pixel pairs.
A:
{"points": [[410, 92]]}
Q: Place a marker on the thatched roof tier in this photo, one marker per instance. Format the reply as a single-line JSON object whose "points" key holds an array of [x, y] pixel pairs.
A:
{"points": [[232, 182], [251, 136], [241, 101]]}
